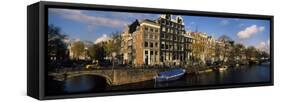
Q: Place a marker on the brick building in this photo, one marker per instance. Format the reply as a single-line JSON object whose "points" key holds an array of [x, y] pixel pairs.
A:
{"points": [[163, 41]]}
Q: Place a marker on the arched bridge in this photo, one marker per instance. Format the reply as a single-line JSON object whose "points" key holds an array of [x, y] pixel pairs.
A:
{"points": [[107, 74], [113, 77]]}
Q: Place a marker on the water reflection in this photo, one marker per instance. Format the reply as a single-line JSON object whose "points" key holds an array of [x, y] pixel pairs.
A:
{"points": [[84, 84], [242, 74]]}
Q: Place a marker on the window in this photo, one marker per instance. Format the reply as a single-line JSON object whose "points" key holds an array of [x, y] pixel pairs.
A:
{"points": [[151, 36], [146, 29], [156, 44], [146, 52], [151, 52], [156, 37], [145, 35], [156, 52], [163, 29], [156, 30], [151, 29], [167, 46], [162, 46], [145, 44], [162, 57], [151, 45]]}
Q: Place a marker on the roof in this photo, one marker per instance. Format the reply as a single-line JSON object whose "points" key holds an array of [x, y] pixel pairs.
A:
{"points": [[133, 26], [149, 21]]}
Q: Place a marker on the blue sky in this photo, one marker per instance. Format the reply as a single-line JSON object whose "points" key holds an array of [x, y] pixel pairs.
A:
{"points": [[90, 25]]}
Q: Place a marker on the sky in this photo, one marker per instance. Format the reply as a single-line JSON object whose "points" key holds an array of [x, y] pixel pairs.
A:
{"points": [[91, 25]]}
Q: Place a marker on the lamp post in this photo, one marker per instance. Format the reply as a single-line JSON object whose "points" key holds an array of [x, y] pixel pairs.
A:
{"points": [[113, 54]]}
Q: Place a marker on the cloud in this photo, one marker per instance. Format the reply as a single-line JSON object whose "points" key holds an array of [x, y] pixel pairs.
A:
{"points": [[66, 40], [190, 26], [268, 42], [224, 22], [261, 28], [90, 21], [249, 31], [263, 46], [77, 39], [133, 16], [103, 38]]}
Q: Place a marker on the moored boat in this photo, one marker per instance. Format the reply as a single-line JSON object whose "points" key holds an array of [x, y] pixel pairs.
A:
{"points": [[169, 75]]}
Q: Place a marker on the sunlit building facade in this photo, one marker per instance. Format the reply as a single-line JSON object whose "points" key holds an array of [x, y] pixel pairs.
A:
{"points": [[140, 43], [163, 41]]}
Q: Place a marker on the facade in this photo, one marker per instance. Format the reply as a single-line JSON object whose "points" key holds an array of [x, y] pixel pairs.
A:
{"points": [[211, 49], [141, 43], [199, 46], [188, 40], [172, 40], [207, 50], [156, 42]]}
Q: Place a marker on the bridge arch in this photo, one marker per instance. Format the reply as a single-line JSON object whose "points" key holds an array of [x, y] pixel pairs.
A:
{"points": [[106, 77]]}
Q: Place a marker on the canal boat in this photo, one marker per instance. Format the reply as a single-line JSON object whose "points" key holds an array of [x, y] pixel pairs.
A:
{"points": [[169, 75]]}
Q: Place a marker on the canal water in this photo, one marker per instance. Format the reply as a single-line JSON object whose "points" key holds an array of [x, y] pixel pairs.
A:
{"points": [[239, 75]]}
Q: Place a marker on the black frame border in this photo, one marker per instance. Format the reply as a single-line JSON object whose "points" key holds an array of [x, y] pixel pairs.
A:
{"points": [[43, 21]]}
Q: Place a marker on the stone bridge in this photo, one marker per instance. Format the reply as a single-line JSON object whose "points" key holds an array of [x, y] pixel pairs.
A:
{"points": [[113, 77]]}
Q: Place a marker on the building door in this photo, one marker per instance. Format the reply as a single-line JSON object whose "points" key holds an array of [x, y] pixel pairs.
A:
{"points": [[146, 59]]}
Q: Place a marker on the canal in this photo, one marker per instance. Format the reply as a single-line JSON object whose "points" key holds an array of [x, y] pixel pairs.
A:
{"points": [[92, 84]]}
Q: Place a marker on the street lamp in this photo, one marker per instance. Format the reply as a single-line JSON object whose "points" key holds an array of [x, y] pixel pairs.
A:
{"points": [[113, 54]]}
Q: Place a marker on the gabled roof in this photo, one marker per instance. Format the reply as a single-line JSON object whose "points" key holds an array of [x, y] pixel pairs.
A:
{"points": [[133, 26]]}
